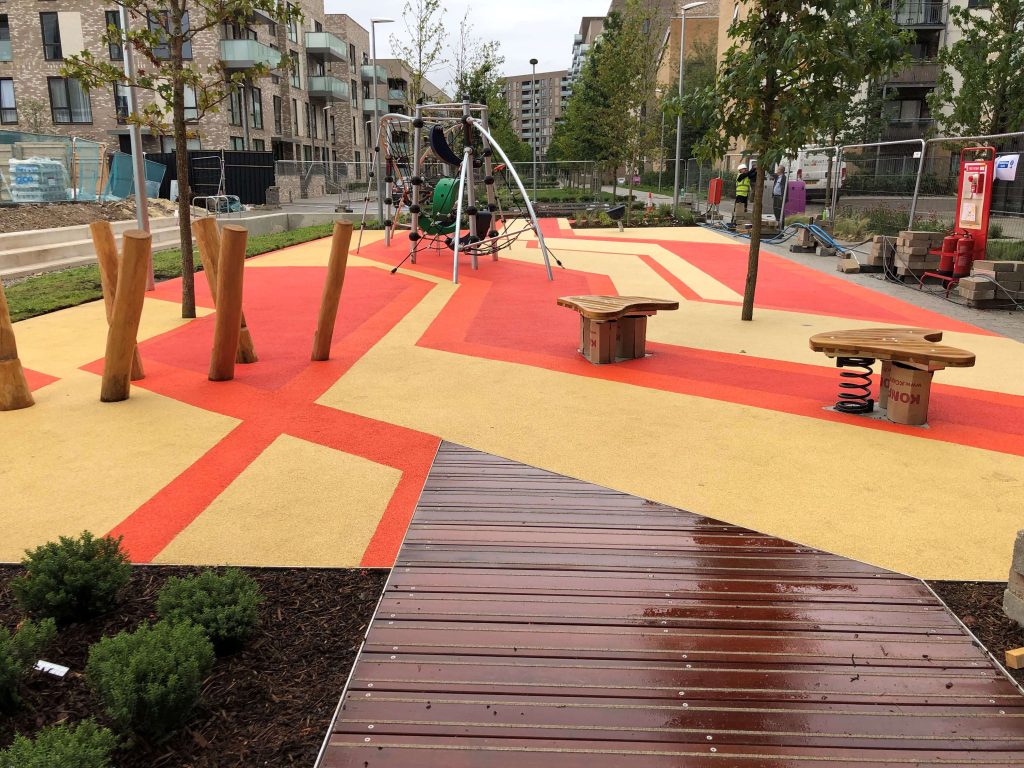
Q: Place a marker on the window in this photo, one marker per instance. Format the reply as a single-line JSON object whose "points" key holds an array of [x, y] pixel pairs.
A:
{"points": [[256, 108], [275, 78], [115, 51], [237, 142], [334, 131], [235, 31], [121, 103], [317, 26], [351, 54], [316, 68], [310, 128], [161, 24], [259, 145], [235, 108], [296, 74], [191, 107], [277, 115], [295, 118], [366, 91], [359, 166], [51, 37], [69, 103], [307, 153], [5, 38], [354, 90], [293, 25], [8, 109]]}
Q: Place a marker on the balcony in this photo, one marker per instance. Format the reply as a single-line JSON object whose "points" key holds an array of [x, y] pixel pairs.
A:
{"points": [[919, 73], [243, 54], [907, 128], [919, 13], [368, 105], [327, 87], [327, 45], [366, 71], [5, 50], [396, 94]]}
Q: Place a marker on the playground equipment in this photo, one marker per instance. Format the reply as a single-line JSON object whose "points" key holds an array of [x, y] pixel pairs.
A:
{"points": [[124, 319], [14, 393], [109, 262], [340, 243], [228, 325], [209, 241], [614, 328], [421, 182]]}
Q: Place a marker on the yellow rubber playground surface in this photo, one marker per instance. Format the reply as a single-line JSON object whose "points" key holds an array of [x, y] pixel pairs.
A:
{"points": [[321, 464]]}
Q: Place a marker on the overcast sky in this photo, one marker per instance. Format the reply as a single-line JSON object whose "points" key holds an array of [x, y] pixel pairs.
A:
{"points": [[541, 29]]}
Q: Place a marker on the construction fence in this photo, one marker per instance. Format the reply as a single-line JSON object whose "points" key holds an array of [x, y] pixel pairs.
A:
{"points": [[43, 168]]}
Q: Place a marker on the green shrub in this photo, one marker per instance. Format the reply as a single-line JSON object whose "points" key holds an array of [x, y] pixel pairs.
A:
{"points": [[18, 654], [85, 745], [1004, 250], [687, 219], [225, 605], [149, 680], [995, 230], [72, 579]]}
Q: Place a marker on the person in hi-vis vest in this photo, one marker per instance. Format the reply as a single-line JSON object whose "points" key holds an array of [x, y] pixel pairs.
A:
{"points": [[744, 182]]}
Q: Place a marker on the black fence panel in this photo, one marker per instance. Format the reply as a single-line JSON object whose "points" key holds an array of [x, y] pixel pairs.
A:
{"points": [[245, 174]]}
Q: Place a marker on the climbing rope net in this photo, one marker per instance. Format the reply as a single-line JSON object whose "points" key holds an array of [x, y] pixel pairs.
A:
{"points": [[441, 177]]}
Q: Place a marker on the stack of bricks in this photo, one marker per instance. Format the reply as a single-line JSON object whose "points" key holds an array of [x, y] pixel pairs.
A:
{"points": [[1013, 597], [912, 252], [881, 246], [993, 284]]}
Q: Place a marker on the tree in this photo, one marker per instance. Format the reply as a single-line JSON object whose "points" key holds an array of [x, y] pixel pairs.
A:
{"points": [[781, 73], [160, 32], [422, 46], [988, 60], [35, 114], [477, 76]]}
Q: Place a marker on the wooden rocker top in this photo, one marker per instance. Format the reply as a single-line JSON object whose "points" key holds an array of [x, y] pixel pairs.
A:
{"points": [[916, 347], [614, 307]]}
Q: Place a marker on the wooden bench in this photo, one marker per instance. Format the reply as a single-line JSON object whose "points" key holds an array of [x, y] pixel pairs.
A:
{"points": [[909, 358], [614, 328]]}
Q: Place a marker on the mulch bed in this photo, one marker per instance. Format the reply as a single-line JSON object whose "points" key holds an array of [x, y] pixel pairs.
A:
{"points": [[270, 704], [980, 607]]}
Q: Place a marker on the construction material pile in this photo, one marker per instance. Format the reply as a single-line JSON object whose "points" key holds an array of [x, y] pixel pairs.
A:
{"points": [[993, 284], [913, 255]]}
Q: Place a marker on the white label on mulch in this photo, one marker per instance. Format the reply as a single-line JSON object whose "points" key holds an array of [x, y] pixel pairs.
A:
{"points": [[51, 668]]}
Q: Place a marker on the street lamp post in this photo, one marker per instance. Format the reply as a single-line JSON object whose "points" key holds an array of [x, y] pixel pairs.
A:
{"points": [[533, 124], [376, 118], [661, 151], [679, 118]]}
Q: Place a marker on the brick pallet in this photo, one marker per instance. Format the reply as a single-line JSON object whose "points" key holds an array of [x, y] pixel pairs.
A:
{"points": [[993, 284], [914, 255]]}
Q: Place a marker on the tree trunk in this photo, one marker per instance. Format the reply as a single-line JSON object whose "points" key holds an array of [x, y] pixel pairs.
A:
{"points": [[755, 249], [188, 286]]}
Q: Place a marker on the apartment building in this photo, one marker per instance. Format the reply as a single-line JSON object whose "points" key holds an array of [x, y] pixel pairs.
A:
{"points": [[590, 29], [536, 103], [314, 110]]}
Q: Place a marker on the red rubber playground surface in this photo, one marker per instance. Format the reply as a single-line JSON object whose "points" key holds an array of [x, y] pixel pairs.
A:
{"points": [[321, 464]]}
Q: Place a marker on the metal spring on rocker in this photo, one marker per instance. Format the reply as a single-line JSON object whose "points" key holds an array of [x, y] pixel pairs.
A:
{"points": [[855, 389]]}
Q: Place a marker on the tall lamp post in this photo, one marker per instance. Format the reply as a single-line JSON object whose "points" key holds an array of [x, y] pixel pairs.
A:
{"points": [[661, 147], [679, 119], [376, 118], [533, 124]]}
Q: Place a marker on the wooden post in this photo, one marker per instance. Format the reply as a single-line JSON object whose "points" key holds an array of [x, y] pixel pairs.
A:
{"points": [[14, 392], [124, 322], [106, 254], [332, 290], [209, 241], [228, 328]]}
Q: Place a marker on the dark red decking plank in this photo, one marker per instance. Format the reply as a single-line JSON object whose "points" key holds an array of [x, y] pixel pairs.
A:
{"points": [[535, 620]]}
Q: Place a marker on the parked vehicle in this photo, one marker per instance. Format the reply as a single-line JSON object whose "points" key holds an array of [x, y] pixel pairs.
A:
{"points": [[812, 167]]}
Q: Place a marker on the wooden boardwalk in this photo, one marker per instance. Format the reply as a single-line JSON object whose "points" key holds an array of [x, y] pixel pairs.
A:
{"points": [[537, 621]]}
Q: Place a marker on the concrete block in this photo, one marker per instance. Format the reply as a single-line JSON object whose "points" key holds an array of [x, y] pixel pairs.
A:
{"points": [[1018, 554], [1013, 606]]}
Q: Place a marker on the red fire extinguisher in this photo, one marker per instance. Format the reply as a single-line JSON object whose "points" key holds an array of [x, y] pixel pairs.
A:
{"points": [[948, 257], [964, 256]]}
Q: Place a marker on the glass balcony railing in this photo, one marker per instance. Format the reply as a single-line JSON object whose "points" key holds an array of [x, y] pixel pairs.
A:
{"points": [[396, 94], [367, 73], [242, 54], [327, 87], [382, 105], [327, 45], [5, 50]]}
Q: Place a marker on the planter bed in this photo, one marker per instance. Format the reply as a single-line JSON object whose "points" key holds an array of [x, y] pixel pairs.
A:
{"points": [[269, 704]]}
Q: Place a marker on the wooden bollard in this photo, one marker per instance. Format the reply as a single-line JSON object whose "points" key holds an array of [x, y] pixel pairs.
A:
{"points": [[228, 327], [106, 254], [124, 322], [209, 241], [14, 393], [332, 290]]}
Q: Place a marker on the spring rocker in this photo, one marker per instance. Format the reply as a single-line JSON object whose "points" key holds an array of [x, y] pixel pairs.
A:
{"points": [[438, 187]]}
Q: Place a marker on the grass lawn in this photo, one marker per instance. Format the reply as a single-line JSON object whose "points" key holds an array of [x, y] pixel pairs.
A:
{"points": [[59, 290]]}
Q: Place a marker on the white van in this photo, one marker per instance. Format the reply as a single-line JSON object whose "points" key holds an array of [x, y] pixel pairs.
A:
{"points": [[811, 165]]}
